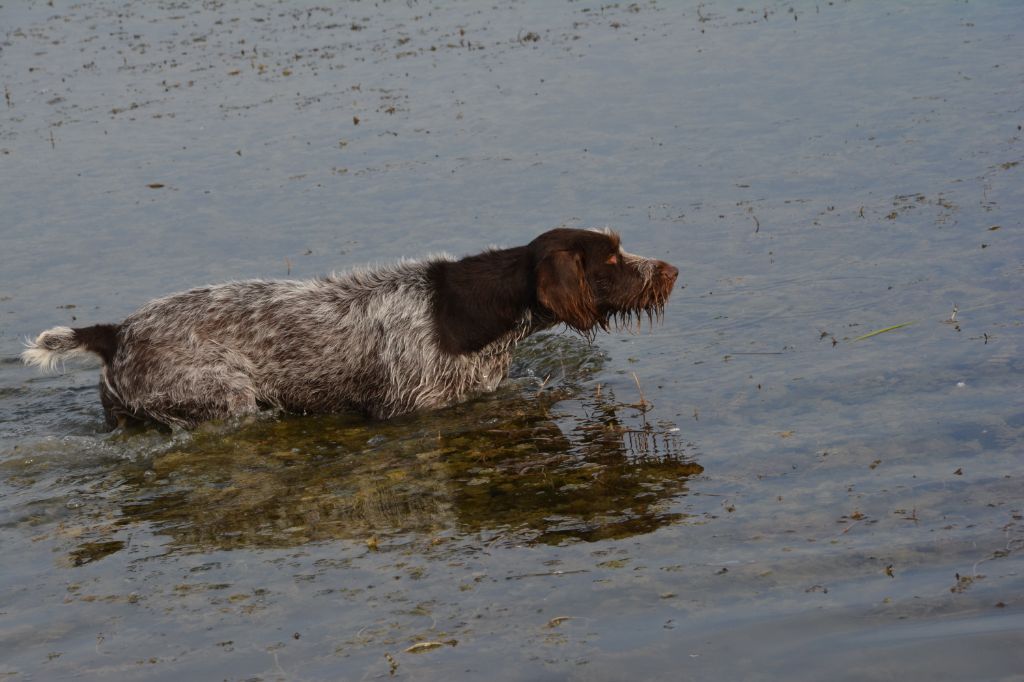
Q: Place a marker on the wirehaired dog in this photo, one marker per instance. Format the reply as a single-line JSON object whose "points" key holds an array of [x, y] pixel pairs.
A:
{"points": [[387, 341]]}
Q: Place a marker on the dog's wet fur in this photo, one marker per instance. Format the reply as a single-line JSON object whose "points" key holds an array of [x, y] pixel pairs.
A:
{"points": [[386, 341]]}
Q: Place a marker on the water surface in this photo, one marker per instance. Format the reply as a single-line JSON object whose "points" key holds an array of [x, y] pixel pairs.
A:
{"points": [[747, 491]]}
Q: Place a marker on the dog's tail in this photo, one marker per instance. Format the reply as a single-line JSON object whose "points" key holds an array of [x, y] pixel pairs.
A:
{"points": [[56, 345]]}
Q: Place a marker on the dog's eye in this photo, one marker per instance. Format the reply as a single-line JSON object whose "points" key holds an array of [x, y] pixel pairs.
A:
{"points": [[612, 259]]}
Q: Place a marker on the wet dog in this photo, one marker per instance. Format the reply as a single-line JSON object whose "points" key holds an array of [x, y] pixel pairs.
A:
{"points": [[386, 341]]}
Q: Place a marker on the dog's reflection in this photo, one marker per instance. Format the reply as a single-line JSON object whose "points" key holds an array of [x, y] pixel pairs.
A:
{"points": [[498, 467]]}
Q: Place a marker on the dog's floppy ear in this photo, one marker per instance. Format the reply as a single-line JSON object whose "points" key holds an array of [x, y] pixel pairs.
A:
{"points": [[562, 288]]}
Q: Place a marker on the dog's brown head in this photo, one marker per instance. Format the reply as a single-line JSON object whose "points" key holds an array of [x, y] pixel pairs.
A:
{"points": [[586, 280], [581, 278]]}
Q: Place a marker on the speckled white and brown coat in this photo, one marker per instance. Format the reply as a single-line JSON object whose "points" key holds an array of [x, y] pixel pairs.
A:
{"points": [[386, 341]]}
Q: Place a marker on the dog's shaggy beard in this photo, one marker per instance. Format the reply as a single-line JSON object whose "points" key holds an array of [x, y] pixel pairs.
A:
{"points": [[628, 314]]}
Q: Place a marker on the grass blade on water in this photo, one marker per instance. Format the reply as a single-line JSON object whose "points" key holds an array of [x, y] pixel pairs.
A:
{"points": [[882, 331]]}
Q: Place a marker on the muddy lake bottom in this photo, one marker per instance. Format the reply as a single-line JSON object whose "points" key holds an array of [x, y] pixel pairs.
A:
{"points": [[759, 487]]}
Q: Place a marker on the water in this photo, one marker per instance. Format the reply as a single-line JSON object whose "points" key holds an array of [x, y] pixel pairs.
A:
{"points": [[745, 492]]}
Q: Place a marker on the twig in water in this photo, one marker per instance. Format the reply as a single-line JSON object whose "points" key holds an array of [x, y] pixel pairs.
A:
{"points": [[643, 399], [882, 331], [848, 528], [557, 620], [543, 384]]}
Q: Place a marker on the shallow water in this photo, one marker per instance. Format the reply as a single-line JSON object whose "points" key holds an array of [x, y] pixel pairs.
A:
{"points": [[747, 491]]}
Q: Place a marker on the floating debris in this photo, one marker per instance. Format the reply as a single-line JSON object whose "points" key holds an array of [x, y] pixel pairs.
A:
{"points": [[421, 647], [884, 330]]}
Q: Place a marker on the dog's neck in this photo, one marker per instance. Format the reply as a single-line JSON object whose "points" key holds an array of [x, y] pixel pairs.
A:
{"points": [[483, 299]]}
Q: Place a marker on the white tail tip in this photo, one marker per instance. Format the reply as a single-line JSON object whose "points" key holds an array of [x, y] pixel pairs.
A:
{"points": [[51, 348]]}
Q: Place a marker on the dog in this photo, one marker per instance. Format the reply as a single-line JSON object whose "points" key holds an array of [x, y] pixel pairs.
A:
{"points": [[417, 335]]}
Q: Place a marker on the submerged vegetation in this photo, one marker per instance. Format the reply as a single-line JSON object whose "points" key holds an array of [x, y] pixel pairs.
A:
{"points": [[549, 460]]}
